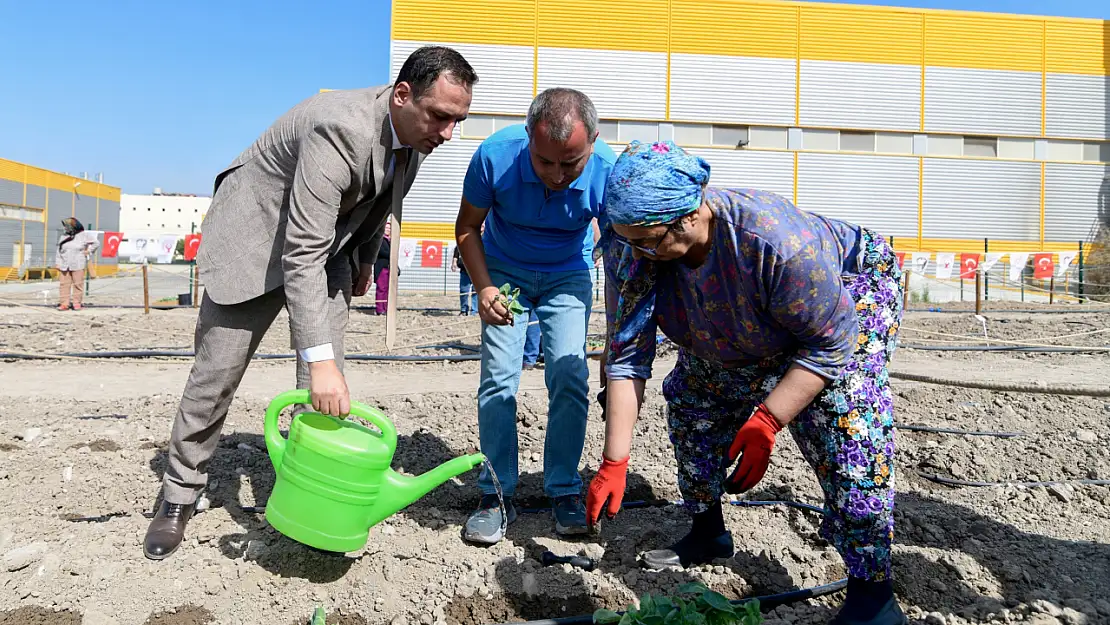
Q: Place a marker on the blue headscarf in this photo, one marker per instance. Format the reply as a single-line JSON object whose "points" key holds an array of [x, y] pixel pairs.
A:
{"points": [[654, 183]]}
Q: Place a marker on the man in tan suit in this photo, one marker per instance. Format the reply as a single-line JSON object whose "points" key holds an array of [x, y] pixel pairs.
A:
{"points": [[290, 220]]}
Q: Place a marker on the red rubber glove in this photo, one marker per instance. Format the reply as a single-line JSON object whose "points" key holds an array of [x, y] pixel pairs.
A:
{"points": [[608, 484], [753, 444]]}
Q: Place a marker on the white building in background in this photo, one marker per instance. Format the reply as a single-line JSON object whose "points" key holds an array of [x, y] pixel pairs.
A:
{"points": [[160, 214]]}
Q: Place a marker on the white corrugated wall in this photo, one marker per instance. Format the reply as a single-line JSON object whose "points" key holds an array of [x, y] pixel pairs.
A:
{"points": [[860, 95], [1078, 106], [437, 191], [713, 88], [978, 101], [993, 199], [622, 84], [1076, 198], [879, 192], [504, 73], [768, 171]]}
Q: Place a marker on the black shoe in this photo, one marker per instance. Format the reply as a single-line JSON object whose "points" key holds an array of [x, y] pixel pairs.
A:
{"points": [[690, 551], [164, 534], [870, 603], [570, 515]]}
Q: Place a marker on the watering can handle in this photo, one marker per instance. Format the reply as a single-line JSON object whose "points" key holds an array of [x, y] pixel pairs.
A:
{"points": [[275, 442]]}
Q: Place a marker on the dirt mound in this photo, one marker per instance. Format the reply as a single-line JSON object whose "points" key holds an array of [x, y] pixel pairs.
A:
{"points": [[33, 615], [100, 445], [185, 615]]}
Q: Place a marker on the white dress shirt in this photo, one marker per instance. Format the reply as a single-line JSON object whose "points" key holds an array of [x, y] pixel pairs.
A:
{"points": [[325, 352]]}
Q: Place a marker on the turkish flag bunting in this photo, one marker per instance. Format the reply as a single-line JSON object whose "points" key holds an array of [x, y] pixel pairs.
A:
{"points": [[968, 264], [431, 253], [192, 244], [901, 258], [111, 244], [1042, 265]]}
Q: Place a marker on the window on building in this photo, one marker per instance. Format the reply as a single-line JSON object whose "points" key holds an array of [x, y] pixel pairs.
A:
{"points": [[641, 131], [894, 143], [478, 126], [1016, 148], [1065, 150], [1096, 152], [693, 134], [729, 136], [820, 140], [852, 141], [774, 138], [504, 122], [608, 130], [945, 145], [981, 146]]}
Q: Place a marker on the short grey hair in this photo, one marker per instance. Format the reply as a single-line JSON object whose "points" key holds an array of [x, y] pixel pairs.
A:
{"points": [[559, 108]]}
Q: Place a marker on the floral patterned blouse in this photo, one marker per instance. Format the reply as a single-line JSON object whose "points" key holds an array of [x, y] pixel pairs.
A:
{"points": [[772, 283]]}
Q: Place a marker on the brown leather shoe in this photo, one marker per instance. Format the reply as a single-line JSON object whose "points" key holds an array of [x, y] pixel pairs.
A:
{"points": [[166, 530]]}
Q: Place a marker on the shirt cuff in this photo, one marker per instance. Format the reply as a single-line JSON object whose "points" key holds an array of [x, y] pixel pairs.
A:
{"points": [[317, 353]]}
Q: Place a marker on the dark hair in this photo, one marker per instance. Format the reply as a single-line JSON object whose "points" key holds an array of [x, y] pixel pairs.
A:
{"points": [[559, 108], [424, 66]]}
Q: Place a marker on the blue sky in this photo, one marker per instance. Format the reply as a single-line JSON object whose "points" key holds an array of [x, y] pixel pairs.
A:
{"points": [[159, 94]]}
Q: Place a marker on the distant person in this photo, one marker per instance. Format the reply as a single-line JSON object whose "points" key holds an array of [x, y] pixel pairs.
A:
{"points": [[533, 342], [71, 260], [381, 274], [291, 220], [538, 187], [468, 298]]}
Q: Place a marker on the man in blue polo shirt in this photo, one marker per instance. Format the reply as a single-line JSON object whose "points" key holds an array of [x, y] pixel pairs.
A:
{"points": [[541, 184]]}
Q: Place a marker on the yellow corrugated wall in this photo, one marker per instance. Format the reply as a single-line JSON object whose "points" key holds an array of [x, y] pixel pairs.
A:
{"points": [[775, 29]]}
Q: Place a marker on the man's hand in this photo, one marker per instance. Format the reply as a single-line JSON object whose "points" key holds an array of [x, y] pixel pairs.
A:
{"points": [[490, 308], [328, 389], [365, 277]]}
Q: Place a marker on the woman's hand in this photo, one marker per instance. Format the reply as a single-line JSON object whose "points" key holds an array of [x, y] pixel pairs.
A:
{"points": [[623, 399], [608, 484], [753, 445]]}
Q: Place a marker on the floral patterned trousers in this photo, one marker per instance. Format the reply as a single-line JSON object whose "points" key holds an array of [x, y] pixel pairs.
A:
{"points": [[846, 434]]}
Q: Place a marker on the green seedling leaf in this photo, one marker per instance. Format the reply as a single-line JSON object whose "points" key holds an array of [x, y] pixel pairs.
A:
{"points": [[605, 616], [505, 288], [718, 601], [752, 614], [318, 617], [692, 587], [627, 618]]}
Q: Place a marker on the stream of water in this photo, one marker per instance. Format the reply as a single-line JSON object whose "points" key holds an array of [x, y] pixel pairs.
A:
{"points": [[500, 494]]}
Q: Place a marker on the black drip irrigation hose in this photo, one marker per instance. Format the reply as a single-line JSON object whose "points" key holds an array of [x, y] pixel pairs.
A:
{"points": [[947, 481], [766, 603], [190, 354], [926, 428], [1002, 311], [1005, 348]]}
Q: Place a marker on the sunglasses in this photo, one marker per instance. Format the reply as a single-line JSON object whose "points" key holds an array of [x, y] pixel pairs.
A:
{"points": [[650, 251]]}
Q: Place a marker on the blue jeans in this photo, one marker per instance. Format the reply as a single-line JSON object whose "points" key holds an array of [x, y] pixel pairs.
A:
{"points": [[532, 340], [468, 297], [562, 302]]}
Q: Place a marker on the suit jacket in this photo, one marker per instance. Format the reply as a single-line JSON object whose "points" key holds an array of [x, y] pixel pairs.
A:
{"points": [[311, 189]]}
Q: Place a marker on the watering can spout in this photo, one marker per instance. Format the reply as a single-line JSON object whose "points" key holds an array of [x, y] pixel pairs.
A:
{"points": [[398, 491]]}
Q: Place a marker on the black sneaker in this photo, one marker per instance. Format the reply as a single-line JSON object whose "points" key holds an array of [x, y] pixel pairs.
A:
{"points": [[570, 515]]}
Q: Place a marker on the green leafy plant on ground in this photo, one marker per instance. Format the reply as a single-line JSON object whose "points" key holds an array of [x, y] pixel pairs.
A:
{"points": [[318, 616], [508, 297], [705, 607]]}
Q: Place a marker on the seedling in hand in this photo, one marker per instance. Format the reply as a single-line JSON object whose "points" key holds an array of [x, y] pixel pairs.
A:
{"points": [[508, 298]]}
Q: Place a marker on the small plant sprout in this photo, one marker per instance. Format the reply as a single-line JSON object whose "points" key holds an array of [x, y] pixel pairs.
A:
{"points": [[706, 607], [508, 297]]}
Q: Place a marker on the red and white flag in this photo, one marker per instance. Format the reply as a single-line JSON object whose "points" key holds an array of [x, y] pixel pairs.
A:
{"points": [[968, 264], [1042, 265], [192, 244], [111, 244], [431, 253]]}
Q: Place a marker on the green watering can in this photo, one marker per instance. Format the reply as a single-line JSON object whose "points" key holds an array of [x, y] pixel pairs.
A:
{"points": [[333, 478]]}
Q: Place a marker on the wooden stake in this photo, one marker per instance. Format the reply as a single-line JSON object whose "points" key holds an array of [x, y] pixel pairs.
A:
{"points": [[146, 291], [1051, 289], [391, 304], [196, 286], [906, 291], [978, 291]]}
